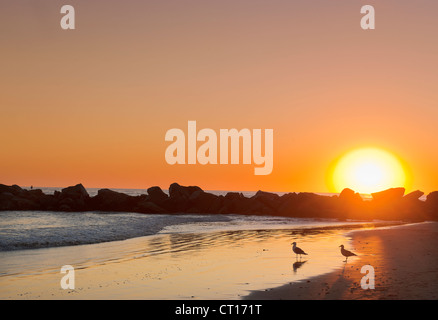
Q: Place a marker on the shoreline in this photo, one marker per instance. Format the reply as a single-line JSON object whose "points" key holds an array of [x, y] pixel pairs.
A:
{"points": [[175, 266], [191, 266], [313, 224], [405, 261]]}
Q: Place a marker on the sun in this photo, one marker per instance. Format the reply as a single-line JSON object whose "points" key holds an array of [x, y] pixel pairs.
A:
{"points": [[368, 170]]}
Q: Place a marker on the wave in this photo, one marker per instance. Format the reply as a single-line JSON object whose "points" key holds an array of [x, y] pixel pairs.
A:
{"points": [[37, 229]]}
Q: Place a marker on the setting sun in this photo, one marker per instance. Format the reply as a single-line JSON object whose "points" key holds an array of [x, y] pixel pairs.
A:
{"points": [[368, 170]]}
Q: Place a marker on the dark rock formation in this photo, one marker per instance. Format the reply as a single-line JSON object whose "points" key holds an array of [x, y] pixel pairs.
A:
{"points": [[146, 206], [73, 198], [350, 204], [109, 200], [414, 195], [157, 196], [390, 204], [392, 194], [432, 204]]}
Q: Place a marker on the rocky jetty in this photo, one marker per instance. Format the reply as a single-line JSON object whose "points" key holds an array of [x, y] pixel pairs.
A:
{"points": [[391, 204]]}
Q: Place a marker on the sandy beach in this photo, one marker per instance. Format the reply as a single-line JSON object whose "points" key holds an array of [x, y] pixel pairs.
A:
{"points": [[228, 264], [252, 264], [405, 260]]}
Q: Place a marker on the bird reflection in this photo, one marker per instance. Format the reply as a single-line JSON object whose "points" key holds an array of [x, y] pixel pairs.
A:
{"points": [[297, 265]]}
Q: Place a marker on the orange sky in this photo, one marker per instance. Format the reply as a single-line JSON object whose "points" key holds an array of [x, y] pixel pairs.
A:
{"points": [[92, 105]]}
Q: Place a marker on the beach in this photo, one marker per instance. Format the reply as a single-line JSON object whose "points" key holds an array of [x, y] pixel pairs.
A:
{"points": [[242, 258], [405, 260], [191, 257]]}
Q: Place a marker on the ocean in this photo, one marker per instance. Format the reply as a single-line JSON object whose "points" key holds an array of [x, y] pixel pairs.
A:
{"points": [[35, 243]]}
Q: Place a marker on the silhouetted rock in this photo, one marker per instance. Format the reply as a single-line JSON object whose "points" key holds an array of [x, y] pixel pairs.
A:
{"points": [[270, 200], [306, 204], [74, 198], [234, 202], [414, 195], [389, 194], [156, 195], [179, 196], [386, 205], [217, 204], [201, 202], [14, 189], [255, 206], [146, 206], [432, 204], [75, 192], [350, 204], [289, 202], [348, 195], [177, 191], [109, 200], [68, 204], [6, 196]]}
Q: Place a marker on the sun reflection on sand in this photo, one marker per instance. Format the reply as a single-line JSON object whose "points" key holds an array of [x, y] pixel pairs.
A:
{"points": [[218, 265]]}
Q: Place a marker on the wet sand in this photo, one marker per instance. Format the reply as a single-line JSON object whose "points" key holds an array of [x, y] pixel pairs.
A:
{"points": [[405, 260], [211, 265]]}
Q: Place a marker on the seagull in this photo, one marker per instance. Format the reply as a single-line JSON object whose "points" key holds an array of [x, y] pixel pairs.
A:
{"points": [[346, 253], [297, 250]]}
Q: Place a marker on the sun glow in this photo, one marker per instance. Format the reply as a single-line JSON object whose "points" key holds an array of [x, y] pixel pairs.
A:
{"points": [[368, 170]]}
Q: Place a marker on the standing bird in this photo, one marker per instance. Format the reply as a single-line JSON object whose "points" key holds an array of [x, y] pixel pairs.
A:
{"points": [[346, 253], [297, 250]]}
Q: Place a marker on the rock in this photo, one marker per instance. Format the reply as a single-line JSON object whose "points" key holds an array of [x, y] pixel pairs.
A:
{"points": [[288, 204], [268, 199], [67, 204], [389, 194], [75, 192], [48, 202], [414, 195], [6, 196], [78, 194], [36, 193], [387, 205], [177, 191], [179, 196], [254, 206], [14, 189], [156, 195], [432, 204], [217, 204], [350, 204], [201, 202], [24, 204], [109, 200], [6, 201], [233, 203], [147, 206], [348, 195], [65, 208], [16, 198]]}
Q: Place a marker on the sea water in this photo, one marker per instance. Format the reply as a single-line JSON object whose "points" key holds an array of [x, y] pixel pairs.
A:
{"points": [[195, 253]]}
